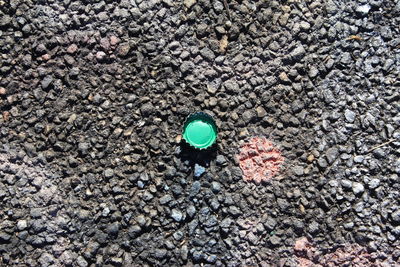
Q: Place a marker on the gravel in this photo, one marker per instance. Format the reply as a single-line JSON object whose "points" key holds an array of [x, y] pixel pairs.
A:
{"points": [[93, 95]]}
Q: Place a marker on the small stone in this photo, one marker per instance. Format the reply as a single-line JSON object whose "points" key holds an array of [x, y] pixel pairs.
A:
{"points": [[113, 229], [176, 215], [374, 183], [3, 91], [298, 53], [114, 40], [346, 58], [81, 262], [248, 116], [349, 115], [105, 44], [186, 66], [215, 187], [346, 184], [322, 163], [298, 170], [46, 82], [123, 49], [22, 225], [141, 220], [189, 3], [358, 159], [358, 188], [100, 55], [363, 10], [396, 216], [220, 160], [261, 113], [115, 261], [191, 211], [103, 16], [207, 53], [305, 26], [5, 20], [232, 86], [313, 72], [72, 49], [4, 237], [195, 189], [198, 170], [160, 254], [331, 154], [284, 78], [234, 211], [275, 240], [46, 259], [108, 173], [313, 227], [165, 199]]}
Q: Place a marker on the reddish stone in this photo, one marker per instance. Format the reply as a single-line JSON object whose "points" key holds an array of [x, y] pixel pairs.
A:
{"points": [[6, 115], [114, 40], [46, 57], [72, 49]]}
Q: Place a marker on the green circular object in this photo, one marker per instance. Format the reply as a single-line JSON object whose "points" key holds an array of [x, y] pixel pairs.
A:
{"points": [[200, 130]]}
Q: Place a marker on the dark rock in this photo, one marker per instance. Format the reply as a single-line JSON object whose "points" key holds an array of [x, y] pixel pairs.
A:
{"points": [[46, 82], [207, 53], [396, 216], [113, 229], [331, 154]]}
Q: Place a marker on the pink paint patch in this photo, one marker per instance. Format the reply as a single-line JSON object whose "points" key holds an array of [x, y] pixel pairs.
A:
{"points": [[259, 160]]}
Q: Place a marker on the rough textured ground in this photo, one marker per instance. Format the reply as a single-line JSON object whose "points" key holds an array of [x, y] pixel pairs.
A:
{"points": [[93, 94]]}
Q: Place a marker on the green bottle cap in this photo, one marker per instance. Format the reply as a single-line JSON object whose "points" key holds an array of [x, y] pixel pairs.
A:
{"points": [[200, 130]]}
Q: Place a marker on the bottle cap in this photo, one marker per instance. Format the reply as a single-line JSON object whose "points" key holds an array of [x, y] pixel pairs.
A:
{"points": [[200, 130]]}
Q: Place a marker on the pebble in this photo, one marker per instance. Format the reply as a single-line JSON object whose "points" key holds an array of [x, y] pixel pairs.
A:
{"points": [[191, 211], [363, 10], [358, 159], [186, 66], [22, 225], [313, 227], [220, 160], [108, 173], [374, 183], [5, 20], [298, 170], [123, 49], [207, 53], [72, 49], [349, 115], [176, 215], [46, 82], [198, 170], [215, 187], [100, 55], [189, 3], [275, 240], [346, 184], [396, 216], [331, 154], [358, 188], [81, 262], [298, 53]]}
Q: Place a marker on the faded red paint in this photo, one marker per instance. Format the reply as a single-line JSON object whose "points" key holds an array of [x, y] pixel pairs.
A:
{"points": [[355, 255], [259, 160]]}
